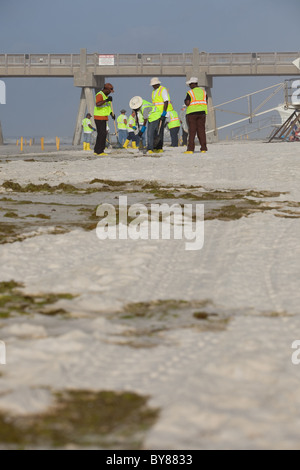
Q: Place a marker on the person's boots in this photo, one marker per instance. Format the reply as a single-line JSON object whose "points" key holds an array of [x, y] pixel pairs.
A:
{"points": [[88, 146], [126, 144], [134, 145], [84, 145]]}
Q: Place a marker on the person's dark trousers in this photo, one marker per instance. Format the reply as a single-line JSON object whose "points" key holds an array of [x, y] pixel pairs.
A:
{"points": [[184, 137], [196, 123], [101, 136], [132, 137], [174, 136], [154, 137], [159, 135]]}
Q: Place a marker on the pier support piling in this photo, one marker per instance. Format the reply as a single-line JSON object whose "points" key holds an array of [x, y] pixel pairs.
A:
{"points": [[206, 82], [1, 135], [88, 82]]}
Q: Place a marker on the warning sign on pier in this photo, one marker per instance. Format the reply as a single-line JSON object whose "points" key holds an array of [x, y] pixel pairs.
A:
{"points": [[106, 60]]}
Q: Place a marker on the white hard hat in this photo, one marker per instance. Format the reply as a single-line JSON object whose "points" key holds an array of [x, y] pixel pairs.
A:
{"points": [[154, 81], [136, 102], [192, 80]]}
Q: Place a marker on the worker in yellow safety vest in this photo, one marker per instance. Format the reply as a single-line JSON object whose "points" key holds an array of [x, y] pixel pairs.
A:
{"points": [[102, 110], [174, 126], [145, 113], [162, 102], [196, 111], [132, 132], [87, 132], [122, 127]]}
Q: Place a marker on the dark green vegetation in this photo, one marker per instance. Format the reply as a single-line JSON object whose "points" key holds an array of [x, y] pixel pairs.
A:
{"points": [[146, 322], [236, 211], [14, 302], [84, 419]]}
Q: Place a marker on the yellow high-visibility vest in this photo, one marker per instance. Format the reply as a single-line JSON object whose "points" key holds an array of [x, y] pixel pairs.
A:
{"points": [[158, 101], [198, 101], [104, 110], [132, 122], [85, 125], [121, 123], [154, 114], [174, 120]]}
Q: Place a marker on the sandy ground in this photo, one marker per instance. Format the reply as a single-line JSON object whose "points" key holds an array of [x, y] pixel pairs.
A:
{"points": [[206, 335]]}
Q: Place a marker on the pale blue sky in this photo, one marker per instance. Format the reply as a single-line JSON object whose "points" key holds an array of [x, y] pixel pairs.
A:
{"points": [[49, 106]]}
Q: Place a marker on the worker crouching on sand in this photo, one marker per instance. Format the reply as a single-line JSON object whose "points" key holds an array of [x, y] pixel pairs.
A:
{"points": [[196, 103], [132, 128], [102, 110], [145, 113]]}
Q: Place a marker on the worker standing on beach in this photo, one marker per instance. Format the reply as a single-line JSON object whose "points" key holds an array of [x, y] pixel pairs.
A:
{"points": [[196, 102], [174, 127], [101, 112], [122, 127], [87, 132], [161, 101]]}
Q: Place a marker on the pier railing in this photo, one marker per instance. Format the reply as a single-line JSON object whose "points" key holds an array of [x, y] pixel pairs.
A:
{"points": [[273, 63]]}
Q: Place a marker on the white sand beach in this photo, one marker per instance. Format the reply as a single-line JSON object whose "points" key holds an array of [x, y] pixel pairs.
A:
{"points": [[205, 335]]}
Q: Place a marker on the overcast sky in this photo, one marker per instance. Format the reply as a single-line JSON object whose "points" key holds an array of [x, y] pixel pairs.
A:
{"points": [[49, 106]]}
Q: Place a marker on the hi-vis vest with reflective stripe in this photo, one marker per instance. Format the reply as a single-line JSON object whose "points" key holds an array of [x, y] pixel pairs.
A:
{"points": [[141, 118], [132, 122], [158, 101], [154, 113], [198, 101], [120, 121], [85, 125], [174, 120], [104, 110]]}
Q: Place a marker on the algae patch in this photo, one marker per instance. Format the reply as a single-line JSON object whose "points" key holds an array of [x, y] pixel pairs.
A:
{"points": [[39, 216], [14, 302], [236, 211], [47, 188], [147, 322], [84, 419], [11, 215]]}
